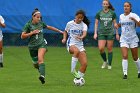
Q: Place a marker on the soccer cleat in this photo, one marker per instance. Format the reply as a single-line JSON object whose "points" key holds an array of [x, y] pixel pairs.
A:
{"points": [[109, 67], [138, 75], [42, 79], [75, 74], [125, 76], [104, 65], [1, 64]]}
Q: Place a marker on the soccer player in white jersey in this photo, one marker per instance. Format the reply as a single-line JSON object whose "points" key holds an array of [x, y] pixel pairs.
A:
{"points": [[2, 24], [129, 39], [76, 30]]}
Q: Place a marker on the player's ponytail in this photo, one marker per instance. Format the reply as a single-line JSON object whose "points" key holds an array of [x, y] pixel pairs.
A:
{"points": [[110, 6], [85, 20]]}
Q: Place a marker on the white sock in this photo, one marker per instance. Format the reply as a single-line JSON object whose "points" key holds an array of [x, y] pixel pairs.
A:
{"points": [[1, 58], [138, 64], [125, 66], [73, 63], [81, 74]]}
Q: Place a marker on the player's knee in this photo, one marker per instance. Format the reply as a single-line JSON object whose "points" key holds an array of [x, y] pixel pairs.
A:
{"points": [[101, 50]]}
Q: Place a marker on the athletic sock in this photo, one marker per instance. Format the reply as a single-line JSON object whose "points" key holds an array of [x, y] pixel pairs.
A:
{"points": [[110, 56], [138, 64], [73, 63], [42, 69], [125, 66], [103, 55], [35, 62]]}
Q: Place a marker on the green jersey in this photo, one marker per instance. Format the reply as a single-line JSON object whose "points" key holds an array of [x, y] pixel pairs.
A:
{"points": [[36, 39], [106, 20]]}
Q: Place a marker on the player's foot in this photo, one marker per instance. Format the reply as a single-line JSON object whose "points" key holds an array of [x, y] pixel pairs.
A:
{"points": [[104, 65], [42, 79], [125, 77], [75, 74], [109, 67], [138, 75], [1, 64]]}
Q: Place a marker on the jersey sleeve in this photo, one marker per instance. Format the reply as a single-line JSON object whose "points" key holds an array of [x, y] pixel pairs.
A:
{"points": [[26, 28], [44, 25], [85, 27], [120, 19], [137, 17], [97, 16], [2, 19], [114, 16], [67, 27]]}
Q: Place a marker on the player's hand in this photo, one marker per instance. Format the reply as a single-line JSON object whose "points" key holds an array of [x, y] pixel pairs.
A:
{"points": [[63, 41], [95, 36], [35, 31], [79, 38], [117, 37]]}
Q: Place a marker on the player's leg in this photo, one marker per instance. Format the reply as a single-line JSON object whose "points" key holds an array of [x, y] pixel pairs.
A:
{"points": [[83, 61], [110, 52], [74, 51], [124, 50], [41, 54], [1, 54], [134, 52], [34, 56], [101, 46]]}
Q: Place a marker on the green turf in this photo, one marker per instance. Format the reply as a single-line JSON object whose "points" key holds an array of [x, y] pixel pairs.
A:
{"points": [[19, 76]]}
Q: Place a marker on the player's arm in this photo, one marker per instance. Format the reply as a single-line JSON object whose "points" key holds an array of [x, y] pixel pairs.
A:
{"points": [[64, 37], [83, 35], [116, 28], [95, 29], [2, 25], [26, 35], [137, 22], [54, 29]]}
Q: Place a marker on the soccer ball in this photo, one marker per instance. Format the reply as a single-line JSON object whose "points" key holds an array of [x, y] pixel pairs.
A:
{"points": [[79, 82]]}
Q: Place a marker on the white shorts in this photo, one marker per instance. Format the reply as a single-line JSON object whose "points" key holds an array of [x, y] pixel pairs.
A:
{"points": [[81, 48], [129, 45]]}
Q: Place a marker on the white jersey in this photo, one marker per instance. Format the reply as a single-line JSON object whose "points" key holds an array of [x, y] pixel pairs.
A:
{"points": [[128, 28], [73, 29], [2, 21]]}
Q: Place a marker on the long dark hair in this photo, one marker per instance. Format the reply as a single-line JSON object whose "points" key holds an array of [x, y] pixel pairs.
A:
{"points": [[85, 20], [110, 5]]}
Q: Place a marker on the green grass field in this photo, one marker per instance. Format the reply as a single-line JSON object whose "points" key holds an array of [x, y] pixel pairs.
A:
{"points": [[19, 76]]}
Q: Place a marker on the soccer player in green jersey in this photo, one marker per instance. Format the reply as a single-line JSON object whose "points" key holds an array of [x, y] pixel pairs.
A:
{"points": [[105, 34], [37, 44]]}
